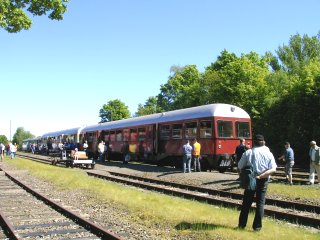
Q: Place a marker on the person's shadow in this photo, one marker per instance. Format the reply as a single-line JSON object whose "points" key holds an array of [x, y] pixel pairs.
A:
{"points": [[198, 226]]}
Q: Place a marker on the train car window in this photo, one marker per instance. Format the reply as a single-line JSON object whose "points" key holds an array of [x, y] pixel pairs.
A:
{"points": [[112, 136], [119, 135], [102, 135], [243, 129], [177, 131], [150, 132], [225, 129], [205, 129], [106, 136], [142, 134], [126, 134], [165, 132], [133, 134], [89, 137], [191, 130]]}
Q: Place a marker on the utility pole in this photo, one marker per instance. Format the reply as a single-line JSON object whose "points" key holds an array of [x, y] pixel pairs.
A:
{"points": [[10, 130]]}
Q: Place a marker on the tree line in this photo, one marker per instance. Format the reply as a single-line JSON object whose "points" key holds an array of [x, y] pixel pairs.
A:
{"points": [[280, 91]]}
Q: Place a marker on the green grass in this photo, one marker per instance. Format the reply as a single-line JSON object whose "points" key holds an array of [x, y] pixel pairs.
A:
{"points": [[295, 191], [189, 218]]}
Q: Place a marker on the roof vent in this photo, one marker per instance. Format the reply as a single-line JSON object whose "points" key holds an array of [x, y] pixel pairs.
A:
{"points": [[232, 108]]}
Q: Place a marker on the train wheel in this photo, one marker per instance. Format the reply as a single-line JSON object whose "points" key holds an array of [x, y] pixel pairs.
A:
{"points": [[222, 170], [224, 163]]}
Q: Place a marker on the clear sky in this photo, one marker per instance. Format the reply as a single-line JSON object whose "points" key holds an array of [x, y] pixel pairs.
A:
{"points": [[57, 75]]}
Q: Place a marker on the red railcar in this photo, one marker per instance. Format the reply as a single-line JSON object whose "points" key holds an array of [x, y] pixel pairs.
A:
{"points": [[159, 137]]}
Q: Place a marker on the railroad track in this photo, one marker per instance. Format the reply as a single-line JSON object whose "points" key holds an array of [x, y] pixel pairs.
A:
{"points": [[301, 213], [299, 175], [304, 214], [27, 214]]}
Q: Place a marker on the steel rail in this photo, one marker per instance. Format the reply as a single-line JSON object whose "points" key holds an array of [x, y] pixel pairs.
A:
{"points": [[222, 193], [95, 229], [7, 227], [303, 220]]}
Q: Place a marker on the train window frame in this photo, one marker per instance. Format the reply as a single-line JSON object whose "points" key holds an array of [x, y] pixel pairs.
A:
{"points": [[205, 132], [126, 134], [119, 135], [177, 133], [247, 134], [112, 136], [142, 135], [165, 132], [106, 136], [150, 132], [224, 133], [187, 130], [133, 134], [102, 135]]}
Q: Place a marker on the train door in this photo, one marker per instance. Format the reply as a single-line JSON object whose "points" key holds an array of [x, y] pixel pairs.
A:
{"points": [[155, 140]]}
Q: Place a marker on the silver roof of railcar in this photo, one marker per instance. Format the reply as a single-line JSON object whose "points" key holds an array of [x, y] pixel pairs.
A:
{"points": [[31, 139], [63, 132], [211, 110]]}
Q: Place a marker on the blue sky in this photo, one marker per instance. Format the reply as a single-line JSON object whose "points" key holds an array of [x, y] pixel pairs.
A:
{"points": [[58, 74]]}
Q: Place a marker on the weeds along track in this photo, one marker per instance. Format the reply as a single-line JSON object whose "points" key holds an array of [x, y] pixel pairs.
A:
{"points": [[304, 214], [26, 214], [295, 212]]}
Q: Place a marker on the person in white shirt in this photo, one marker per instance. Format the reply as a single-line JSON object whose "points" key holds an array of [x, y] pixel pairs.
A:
{"points": [[264, 165], [314, 154]]}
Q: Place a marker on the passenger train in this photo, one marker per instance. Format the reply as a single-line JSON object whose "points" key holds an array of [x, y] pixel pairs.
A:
{"points": [[158, 138]]}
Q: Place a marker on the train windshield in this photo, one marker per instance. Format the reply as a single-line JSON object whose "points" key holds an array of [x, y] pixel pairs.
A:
{"points": [[225, 129], [243, 129]]}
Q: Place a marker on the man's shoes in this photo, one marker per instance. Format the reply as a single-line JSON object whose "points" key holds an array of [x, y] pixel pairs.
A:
{"points": [[240, 227]]}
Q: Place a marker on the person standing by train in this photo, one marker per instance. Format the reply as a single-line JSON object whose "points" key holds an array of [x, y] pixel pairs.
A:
{"points": [[13, 149], [8, 149], [314, 154], [196, 147], [105, 151], [187, 156], [288, 158], [264, 165], [85, 146], [240, 149], [2, 147], [125, 152], [100, 150]]}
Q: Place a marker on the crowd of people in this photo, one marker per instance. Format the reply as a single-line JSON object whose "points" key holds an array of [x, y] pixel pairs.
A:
{"points": [[264, 165], [10, 150]]}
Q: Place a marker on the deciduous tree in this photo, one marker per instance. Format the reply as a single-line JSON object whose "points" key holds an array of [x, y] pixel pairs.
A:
{"points": [[181, 90], [21, 135], [3, 139], [114, 110], [151, 106], [13, 13]]}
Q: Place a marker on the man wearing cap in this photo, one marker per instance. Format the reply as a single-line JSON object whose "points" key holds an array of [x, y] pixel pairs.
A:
{"points": [[314, 154], [264, 164]]}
